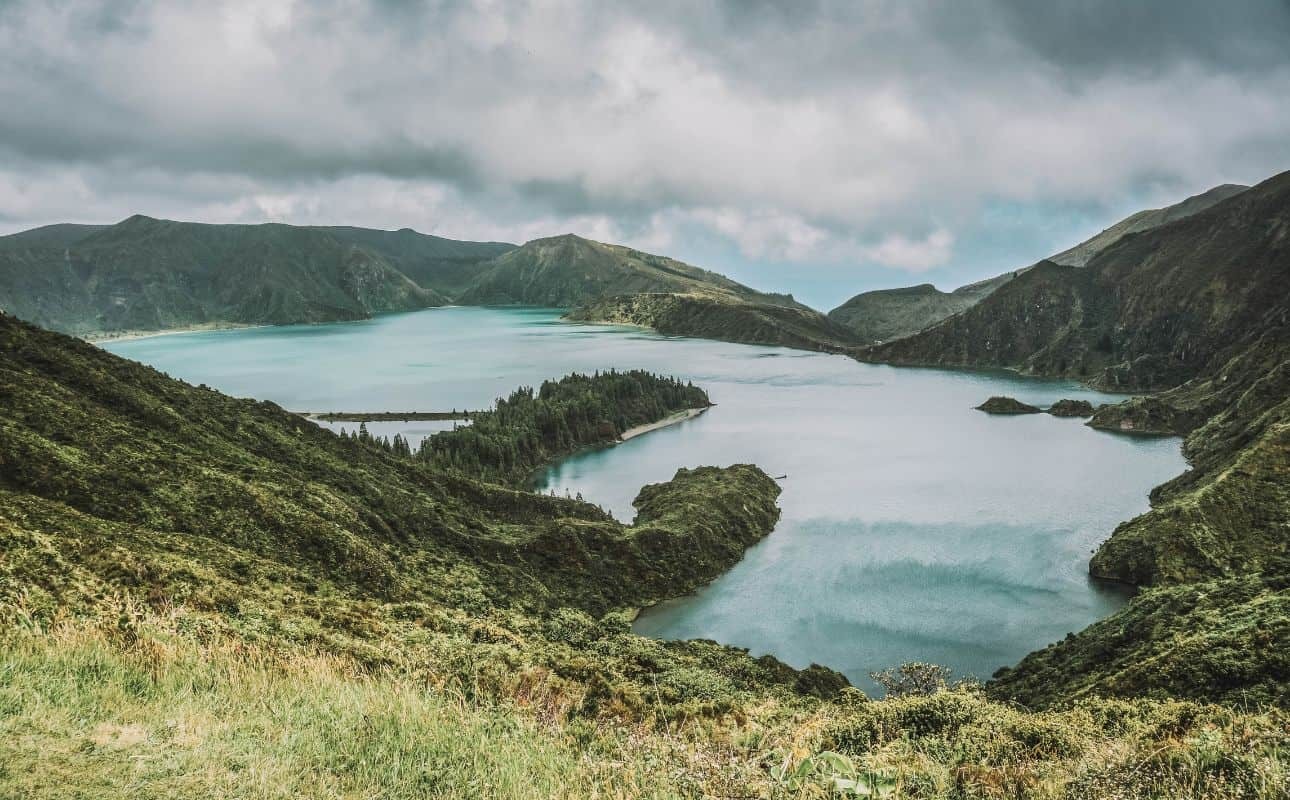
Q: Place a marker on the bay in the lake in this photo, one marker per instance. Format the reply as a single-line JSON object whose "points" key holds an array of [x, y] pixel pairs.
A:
{"points": [[913, 528]]}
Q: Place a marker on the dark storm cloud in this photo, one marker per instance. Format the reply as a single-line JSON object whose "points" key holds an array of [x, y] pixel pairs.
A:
{"points": [[808, 131]]}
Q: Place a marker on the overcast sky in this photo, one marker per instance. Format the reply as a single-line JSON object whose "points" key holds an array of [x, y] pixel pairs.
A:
{"points": [[817, 147]]}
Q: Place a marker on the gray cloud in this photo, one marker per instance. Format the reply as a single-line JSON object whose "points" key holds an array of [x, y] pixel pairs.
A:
{"points": [[819, 132]]}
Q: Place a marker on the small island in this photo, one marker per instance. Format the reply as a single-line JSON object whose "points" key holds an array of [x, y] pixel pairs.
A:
{"points": [[1071, 408], [1006, 405]]}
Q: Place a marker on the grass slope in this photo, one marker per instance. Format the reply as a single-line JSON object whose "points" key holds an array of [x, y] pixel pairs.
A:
{"points": [[886, 314]]}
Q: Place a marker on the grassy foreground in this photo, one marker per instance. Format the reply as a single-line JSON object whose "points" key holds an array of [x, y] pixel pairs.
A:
{"points": [[137, 704], [85, 712]]}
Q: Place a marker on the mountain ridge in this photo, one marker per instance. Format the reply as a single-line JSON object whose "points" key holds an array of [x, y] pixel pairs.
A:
{"points": [[149, 274], [885, 314]]}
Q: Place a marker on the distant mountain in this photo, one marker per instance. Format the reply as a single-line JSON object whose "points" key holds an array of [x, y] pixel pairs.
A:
{"points": [[1153, 310], [888, 314], [569, 271], [150, 274], [616, 284], [891, 313], [59, 235], [447, 266]]}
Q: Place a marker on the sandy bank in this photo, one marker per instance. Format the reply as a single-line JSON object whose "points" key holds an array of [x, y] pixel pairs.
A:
{"points": [[123, 336], [680, 416]]}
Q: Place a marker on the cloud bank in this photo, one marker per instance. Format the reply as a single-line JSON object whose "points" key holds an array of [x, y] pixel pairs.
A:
{"points": [[820, 134]]}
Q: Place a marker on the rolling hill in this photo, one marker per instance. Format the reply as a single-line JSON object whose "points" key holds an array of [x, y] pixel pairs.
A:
{"points": [[569, 271], [150, 274]]}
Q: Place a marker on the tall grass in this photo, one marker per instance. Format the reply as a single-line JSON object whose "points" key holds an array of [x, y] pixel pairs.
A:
{"points": [[136, 704], [85, 714]]}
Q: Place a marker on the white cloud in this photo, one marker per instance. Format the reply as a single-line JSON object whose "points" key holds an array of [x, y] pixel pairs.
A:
{"points": [[835, 133]]}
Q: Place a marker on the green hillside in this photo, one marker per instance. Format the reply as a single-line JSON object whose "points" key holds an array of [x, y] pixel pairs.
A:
{"points": [[148, 274], [1080, 254], [567, 271], [892, 313]]}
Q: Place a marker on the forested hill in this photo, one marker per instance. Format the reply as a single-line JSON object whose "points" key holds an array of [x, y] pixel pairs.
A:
{"points": [[151, 274], [529, 429]]}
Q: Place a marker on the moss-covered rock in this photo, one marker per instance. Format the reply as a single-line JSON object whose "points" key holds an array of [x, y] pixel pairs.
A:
{"points": [[1071, 408], [1006, 405]]}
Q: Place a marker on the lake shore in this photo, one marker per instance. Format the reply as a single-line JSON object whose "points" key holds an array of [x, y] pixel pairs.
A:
{"points": [[680, 416], [125, 336]]}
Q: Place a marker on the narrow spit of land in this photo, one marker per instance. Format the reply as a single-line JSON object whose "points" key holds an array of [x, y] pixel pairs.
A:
{"points": [[385, 416], [680, 416]]}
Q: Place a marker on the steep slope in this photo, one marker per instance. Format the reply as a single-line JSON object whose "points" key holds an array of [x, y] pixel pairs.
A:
{"points": [[723, 317], [1153, 310], [568, 271], [148, 274], [888, 314], [1080, 254]]}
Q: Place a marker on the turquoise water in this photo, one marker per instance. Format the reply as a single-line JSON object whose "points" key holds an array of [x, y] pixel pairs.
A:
{"points": [[913, 528]]}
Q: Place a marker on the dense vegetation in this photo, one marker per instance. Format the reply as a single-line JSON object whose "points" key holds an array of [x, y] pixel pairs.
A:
{"points": [[724, 317], [213, 597], [529, 429]]}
